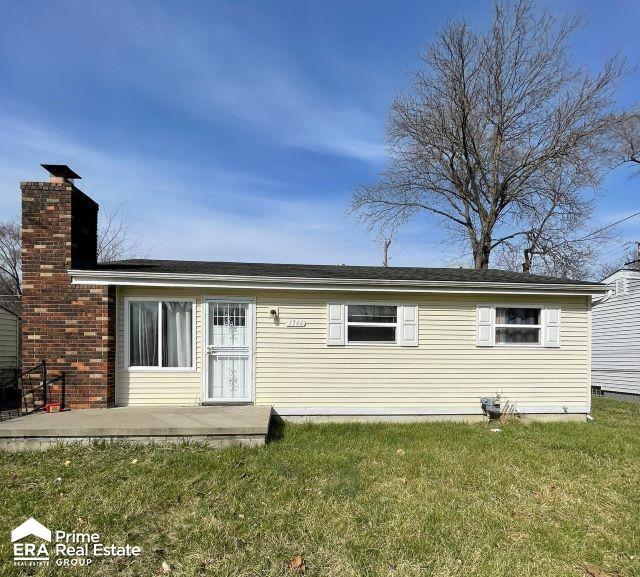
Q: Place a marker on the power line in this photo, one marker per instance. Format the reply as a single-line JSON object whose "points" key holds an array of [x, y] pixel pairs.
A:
{"points": [[606, 227], [592, 233], [415, 240]]}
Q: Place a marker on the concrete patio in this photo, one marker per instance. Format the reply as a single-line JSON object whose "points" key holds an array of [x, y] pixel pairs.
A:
{"points": [[219, 426]]}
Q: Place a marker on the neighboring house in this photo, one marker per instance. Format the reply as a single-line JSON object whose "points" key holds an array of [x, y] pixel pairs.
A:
{"points": [[9, 343], [616, 336], [330, 342]]}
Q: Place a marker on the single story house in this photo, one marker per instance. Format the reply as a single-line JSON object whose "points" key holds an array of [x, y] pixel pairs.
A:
{"points": [[311, 341], [616, 336]]}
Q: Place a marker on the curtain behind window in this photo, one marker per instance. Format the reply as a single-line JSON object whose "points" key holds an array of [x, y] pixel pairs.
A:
{"points": [[143, 341], [176, 334], [517, 316]]}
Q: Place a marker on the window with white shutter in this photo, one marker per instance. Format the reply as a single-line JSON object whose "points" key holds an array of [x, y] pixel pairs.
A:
{"points": [[523, 325], [372, 323]]}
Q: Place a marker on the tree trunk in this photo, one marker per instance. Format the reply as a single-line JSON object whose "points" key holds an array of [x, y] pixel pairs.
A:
{"points": [[481, 252], [526, 265]]}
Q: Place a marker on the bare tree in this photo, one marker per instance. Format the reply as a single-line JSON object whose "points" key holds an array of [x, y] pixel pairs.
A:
{"points": [[499, 137], [552, 217], [552, 246], [566, 259], [627, 135], [10, 265], [10, 261], [629, 261], [115, 242]]}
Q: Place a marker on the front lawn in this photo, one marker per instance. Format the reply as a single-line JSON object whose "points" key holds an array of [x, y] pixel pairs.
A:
{"points": [[398, 500]]}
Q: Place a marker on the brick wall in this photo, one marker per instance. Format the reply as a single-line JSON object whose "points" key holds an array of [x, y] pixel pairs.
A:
{"points": [[72, 327]]}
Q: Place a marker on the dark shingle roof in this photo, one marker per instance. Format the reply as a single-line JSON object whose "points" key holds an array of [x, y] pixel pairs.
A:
{"points": [[329, 272], [6, 308]]}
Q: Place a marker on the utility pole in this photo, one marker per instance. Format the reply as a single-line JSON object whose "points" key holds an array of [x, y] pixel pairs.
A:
{"points": [[385, 260]]}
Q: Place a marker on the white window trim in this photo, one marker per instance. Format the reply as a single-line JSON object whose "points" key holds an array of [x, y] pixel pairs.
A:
{"points": [[348, 324], [541, 344], [159, 368], [539, 326]]}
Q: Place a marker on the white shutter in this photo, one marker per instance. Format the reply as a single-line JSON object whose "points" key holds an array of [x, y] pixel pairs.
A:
{"points": [[408, 325], [552, 327], [484, 326], [335, 323]]}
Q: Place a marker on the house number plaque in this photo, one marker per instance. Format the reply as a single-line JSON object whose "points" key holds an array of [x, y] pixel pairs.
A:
{"points": [[296, 323]]}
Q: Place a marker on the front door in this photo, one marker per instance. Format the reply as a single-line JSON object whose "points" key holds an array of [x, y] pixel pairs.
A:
{"points": [[228, 351]]}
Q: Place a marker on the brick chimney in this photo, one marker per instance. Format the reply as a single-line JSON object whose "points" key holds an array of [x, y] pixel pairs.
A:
{"points": [[72, 327]]}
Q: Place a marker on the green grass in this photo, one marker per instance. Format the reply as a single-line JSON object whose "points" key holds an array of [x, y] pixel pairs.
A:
{"points": [[543, 500]]}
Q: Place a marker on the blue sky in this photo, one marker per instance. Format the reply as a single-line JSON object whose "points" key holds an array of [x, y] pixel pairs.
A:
{"points": [[238, 130]]}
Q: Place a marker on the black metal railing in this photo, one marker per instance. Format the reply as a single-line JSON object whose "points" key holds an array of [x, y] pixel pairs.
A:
{"points": [[14, 397], [43, 386]]}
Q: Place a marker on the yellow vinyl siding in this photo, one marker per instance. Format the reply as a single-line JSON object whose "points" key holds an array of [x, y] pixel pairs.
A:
{"points": [[160, 387], [294, 367], [8, 339]]}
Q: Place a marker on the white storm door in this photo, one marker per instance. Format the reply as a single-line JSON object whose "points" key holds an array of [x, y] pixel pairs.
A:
{"points": [[229, 354]]}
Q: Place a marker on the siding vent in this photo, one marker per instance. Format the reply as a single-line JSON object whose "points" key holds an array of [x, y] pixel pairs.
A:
{"points": [[620, 287]]}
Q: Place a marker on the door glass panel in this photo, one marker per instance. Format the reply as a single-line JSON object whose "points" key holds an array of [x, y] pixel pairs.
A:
{"points": [[228, 325]]}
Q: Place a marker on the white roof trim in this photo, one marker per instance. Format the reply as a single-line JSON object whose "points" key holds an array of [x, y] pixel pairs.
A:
{"points": [[621, 273], [137, 278]]}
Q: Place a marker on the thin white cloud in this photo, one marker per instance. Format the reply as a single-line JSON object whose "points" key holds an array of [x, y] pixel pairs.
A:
{"points": [[229, 217], [229, 75]]}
